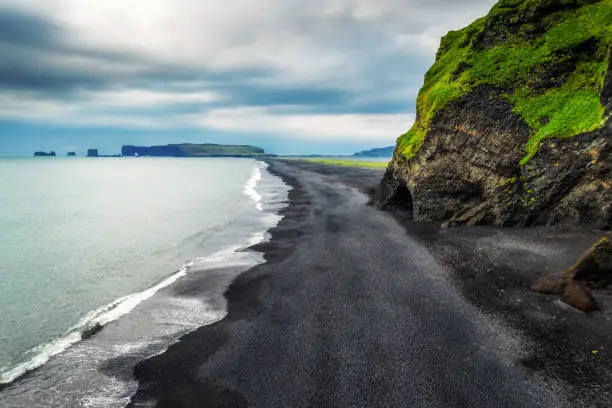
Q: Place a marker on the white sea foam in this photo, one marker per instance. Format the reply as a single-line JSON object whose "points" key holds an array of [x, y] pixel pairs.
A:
{"points": [[250, 191], [256, 238], [113, 392], [107, 396], [112, 311], [42, 353], [126, 304]]}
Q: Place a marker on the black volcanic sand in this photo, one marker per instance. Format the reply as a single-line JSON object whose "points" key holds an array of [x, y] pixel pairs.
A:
{"points": [[358, 307]]}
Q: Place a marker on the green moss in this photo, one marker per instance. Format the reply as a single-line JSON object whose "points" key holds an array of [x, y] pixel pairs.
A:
{"points": [[508, 185], [410, 142], [443, 83], [567, 113], [574, 43]]}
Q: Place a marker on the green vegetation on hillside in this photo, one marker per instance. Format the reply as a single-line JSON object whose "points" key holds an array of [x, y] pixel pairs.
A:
{"points": [[351, 163], [209, 149], [193, 150], [550, 66]]}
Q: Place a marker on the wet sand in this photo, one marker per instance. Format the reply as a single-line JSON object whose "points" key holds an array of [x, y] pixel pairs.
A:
{"points": [[358, 307]]}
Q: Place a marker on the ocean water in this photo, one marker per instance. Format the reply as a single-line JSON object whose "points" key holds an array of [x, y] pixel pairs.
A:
{"points": [[144, 247]]}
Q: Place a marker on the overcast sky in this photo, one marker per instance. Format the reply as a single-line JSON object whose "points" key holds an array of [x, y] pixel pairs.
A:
{"points": [[294, 76]]}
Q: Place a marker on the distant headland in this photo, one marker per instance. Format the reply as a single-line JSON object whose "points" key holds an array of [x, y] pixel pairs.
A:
{"points": [[194, 150], [378, 152], [177, 150]]}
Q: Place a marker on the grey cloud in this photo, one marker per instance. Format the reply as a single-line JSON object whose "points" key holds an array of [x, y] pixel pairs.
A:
{"points": [[34, 51], [35, 54], [29, 69], [26, 29], [30, 45]]}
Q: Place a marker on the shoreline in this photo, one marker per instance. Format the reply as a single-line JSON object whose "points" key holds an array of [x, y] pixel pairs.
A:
{"points": [[241, 296], [224, 364], [208, 274], [88, 326]]}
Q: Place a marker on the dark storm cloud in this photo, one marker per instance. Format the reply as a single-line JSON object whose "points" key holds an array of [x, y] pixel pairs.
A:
{"points": [[23, 29], [28, 70], [33, 50], [350, 64], [26, 41]]}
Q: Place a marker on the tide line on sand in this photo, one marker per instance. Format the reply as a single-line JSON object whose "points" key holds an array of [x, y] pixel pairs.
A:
{"points": [[90, 322]]}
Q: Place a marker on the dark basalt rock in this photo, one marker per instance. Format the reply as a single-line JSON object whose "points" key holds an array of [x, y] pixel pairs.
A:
{"points": [[472, 158], [155, 151], [467, 171], [594, 266], [593, 269], [45, 154], [90, 331], [606, 93], [577, 296], [550, 285]]}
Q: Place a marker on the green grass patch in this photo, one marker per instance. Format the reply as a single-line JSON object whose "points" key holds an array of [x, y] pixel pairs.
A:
{"points": [[520, 64], [351, 163], [560, 113], [210, 149]]}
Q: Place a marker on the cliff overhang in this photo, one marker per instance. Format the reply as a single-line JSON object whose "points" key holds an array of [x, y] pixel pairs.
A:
{"points": [[512, 122]]}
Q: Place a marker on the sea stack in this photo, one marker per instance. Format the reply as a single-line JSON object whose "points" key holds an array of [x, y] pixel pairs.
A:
{"points": [[44, 154], [512, 125]]}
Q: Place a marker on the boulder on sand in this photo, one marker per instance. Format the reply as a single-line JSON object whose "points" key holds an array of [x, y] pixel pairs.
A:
{"points": [[595, 266], [550, 285], [593, 269], [579, 297]]}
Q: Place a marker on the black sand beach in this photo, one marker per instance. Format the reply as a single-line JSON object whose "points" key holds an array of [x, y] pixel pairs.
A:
{"points": [[358, 307]]}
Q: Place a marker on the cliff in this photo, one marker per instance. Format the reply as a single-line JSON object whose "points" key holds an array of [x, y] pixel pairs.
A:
{"points": [[193, 150], [512, 124]]}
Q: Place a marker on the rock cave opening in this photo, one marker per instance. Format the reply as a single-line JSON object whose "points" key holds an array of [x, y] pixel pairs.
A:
{"points": [[402, 199]]}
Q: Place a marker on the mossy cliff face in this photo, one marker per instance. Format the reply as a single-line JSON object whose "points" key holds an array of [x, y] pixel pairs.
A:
{"points": [[513, 121]]}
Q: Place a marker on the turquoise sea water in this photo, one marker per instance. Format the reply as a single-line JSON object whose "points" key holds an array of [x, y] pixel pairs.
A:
{"points": [[86, 241]]}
